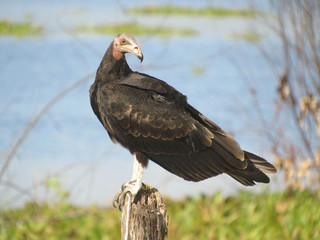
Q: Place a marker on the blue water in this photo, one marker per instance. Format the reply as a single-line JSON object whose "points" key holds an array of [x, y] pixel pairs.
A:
{"points": [[70, 143]]}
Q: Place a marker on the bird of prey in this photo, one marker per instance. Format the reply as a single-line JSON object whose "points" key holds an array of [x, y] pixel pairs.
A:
{"points": [[155, 122]]}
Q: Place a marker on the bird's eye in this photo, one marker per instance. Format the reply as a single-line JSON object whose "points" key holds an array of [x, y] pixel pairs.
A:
{"points": [[123, 41]]}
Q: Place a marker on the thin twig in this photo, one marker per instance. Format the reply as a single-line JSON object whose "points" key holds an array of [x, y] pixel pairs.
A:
{"points": [[37, 117]]}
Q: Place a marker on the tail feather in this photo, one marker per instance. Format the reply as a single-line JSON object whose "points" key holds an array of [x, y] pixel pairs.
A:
{"points": [[243, 180], [255, 172], [260, 163]]}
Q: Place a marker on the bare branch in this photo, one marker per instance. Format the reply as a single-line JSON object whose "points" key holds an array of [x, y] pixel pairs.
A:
{"points": [[37, 117]]}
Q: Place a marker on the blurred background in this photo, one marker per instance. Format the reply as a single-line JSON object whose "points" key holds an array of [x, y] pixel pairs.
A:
{"points": [[252, 67]]}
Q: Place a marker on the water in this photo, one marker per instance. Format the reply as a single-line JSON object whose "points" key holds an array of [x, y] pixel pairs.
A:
{"points": [[70, 143]]}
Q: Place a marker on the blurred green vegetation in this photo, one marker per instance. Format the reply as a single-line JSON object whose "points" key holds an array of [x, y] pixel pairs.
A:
{"points": [[19, 29], [198, 70], [134, 28], [249, 36], [284, 215], [179, 10]]}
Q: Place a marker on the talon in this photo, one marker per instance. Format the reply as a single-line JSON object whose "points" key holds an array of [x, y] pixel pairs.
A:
{"points": [[132, 187]]}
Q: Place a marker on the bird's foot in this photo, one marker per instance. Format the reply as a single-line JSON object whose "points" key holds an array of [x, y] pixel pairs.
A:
{"points": [[132, 187]]}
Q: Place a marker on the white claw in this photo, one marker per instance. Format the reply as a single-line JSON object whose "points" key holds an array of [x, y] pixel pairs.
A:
{"points": [[131, 187]]}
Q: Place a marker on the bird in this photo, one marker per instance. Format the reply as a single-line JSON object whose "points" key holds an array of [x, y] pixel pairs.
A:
{"points": [[154, 122]]}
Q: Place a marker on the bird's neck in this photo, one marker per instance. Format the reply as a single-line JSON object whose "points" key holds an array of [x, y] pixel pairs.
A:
{"points": [[113, 66]]}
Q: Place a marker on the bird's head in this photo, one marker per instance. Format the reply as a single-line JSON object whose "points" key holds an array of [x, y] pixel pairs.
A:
{"points": [[125, 43]]}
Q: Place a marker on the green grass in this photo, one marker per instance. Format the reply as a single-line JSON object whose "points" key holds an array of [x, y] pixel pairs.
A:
{"points": [[134, 28], [19, 29], [249, 36], [208, 11], [286, 215], [198, 70]]}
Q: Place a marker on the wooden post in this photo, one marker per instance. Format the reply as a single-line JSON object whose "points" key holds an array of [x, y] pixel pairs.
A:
{"points": [[145, 218]]}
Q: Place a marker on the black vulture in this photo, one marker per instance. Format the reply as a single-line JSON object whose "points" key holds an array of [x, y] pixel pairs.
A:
{"points": [[154, 121]]}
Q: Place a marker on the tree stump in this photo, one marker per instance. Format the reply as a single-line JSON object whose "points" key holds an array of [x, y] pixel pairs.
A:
{"points": [[146, 217]]}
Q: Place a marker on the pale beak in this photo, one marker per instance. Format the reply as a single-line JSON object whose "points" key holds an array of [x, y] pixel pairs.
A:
{"points": [[137, 52], [134, 49], [140, 57]]}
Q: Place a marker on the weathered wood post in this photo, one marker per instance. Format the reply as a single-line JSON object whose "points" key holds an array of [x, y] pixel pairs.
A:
{"points": [[146, 218]]}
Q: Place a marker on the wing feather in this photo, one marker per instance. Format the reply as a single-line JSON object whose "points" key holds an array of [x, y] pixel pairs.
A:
{"points": [[156, 120]]}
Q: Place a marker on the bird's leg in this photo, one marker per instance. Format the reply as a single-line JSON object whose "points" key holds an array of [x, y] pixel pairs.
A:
{"points": [[132, 187]]}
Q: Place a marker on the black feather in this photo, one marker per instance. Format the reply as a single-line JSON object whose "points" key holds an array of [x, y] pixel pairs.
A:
{"points": [[151, 118]]}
